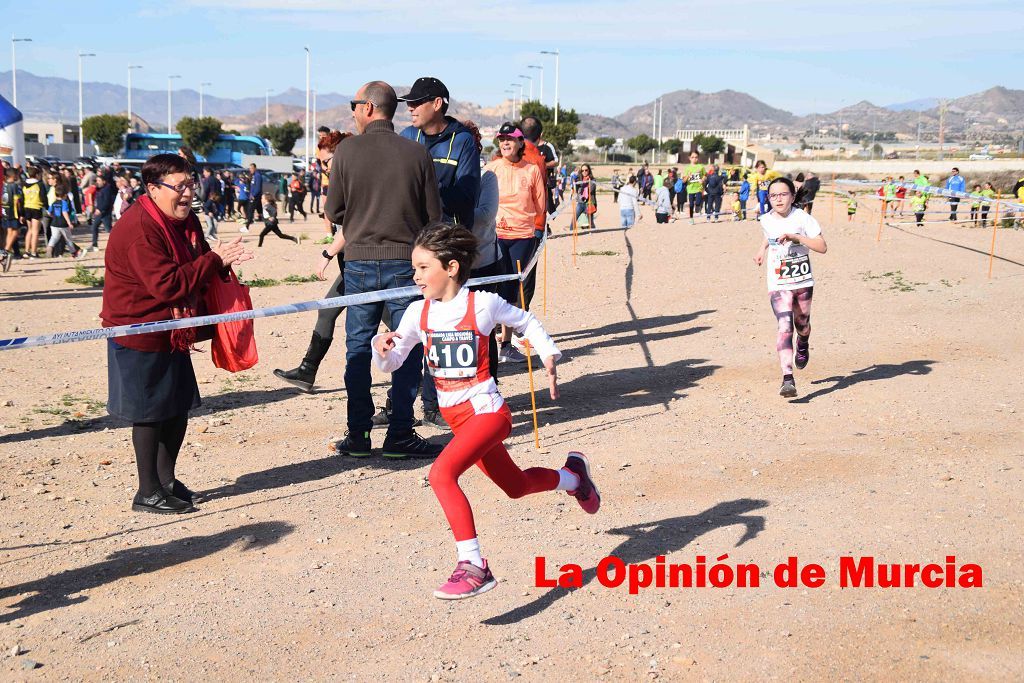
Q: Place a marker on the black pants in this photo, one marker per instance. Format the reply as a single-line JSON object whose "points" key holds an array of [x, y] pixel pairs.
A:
{"points": [[253, 208], [808, 206], [295, 204], [920, 218], [953, 203], [314, 201], [272, 227]]}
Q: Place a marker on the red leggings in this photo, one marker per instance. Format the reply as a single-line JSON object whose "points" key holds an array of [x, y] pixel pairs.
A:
{"points": [[478, 440]]}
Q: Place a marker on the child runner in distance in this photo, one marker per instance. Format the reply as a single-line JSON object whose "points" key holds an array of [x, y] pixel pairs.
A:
{"points": [[788, 235], [988, 193], [453, 324], [851, 206], [919, 204], [270, 221]]}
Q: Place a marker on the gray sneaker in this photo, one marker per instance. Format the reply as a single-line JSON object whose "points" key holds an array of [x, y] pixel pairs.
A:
{"points": [[510, 354], [788, 388]]}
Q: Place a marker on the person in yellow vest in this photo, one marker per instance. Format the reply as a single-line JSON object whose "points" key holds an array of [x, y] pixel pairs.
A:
{"points": [[761, 179], [36, 203], [919, 204], [989, 193], [975, 204]]}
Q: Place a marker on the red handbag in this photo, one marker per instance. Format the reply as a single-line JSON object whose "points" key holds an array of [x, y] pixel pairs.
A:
{"points": [[234, 343]]}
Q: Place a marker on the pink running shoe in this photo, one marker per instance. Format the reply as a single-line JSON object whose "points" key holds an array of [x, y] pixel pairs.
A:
{"points": [[586, 494], [466, 581]]}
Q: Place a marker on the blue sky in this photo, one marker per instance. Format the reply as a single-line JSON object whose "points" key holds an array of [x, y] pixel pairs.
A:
{"points": [[799, 56]]}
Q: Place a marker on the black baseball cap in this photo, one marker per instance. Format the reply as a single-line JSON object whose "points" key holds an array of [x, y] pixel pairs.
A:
{"points": [[509, 129], [426, 88]]}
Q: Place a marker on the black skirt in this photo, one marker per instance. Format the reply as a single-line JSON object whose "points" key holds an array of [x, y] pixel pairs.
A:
{"points": [[149, 386]]}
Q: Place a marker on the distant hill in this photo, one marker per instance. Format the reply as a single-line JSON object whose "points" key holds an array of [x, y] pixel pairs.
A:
{"points": [[915, 105], [997, 110]]}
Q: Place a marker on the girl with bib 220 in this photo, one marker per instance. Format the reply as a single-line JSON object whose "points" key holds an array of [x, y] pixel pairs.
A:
{"points": [[789, 236], [453, 324]]}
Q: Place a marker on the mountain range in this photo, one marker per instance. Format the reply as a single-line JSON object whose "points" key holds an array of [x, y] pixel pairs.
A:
{"points": [[996, 111]]}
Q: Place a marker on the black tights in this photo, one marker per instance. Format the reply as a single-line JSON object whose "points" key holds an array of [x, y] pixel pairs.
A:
{"points": [[156, 450]]}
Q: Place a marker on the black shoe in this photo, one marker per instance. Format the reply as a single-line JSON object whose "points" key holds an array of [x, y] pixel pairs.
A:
{"points": [[410, 445], [179, 490], [803, 352], [432, 418], [381, 419], [161, 503], [304, 376], [354, 445]]}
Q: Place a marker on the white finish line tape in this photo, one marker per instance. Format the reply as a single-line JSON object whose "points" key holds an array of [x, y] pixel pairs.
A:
{"points": [[283, 309]]}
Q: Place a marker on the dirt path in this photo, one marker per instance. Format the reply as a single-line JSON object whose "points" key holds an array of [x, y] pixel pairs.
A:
{"points": [[904, 444]]}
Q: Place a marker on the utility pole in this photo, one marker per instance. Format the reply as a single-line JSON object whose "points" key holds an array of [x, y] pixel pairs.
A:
{"points": [[14, 67], [131, 67], [81, 135], [654, 127], [541, 67], [556, 54], [204, 83], [306, 122], [169, 119], [942, 129]]}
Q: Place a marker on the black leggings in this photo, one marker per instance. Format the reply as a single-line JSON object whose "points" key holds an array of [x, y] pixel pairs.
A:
{"points": [[295, 204], [327, 318], [156, 450], [273, 228]]}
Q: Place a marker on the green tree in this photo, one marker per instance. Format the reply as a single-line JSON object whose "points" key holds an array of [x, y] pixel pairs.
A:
{"points": [[605, 143], [642, 144], [282, 136], [672, 146], [200, 133], [560, 135], [709, 144], [107, 131]]}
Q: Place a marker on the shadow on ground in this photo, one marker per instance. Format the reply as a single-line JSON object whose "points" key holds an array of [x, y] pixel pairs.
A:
{"points": [[645, 542], [64, 588], [871, 373]]}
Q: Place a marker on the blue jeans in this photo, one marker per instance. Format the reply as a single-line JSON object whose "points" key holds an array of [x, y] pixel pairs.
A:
{"points": [[628, 217], [361, 324], [97, 221]]}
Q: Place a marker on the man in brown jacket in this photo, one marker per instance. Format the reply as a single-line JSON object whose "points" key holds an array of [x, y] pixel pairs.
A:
{"points": [[382, 192]]}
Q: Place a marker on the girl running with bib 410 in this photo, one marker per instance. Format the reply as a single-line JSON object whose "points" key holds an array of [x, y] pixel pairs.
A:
{"points": [[789, 236], [453, 324]]}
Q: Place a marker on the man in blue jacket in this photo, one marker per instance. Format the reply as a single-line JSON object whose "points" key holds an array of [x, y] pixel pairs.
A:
{"points": [[457, 167], [956, 183], [255, 196], [103, 211]]}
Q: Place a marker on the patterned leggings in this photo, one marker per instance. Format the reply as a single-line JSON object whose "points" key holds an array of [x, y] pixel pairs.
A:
{"points": [[792, 308]]}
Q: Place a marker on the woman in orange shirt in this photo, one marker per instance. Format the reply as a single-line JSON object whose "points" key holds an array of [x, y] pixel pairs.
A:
{"points": [[521, 199]]}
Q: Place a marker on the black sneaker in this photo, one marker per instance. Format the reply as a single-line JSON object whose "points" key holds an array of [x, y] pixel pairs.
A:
{"points": [[432, 418], [354, 445], [803, 352], [410, 445]]}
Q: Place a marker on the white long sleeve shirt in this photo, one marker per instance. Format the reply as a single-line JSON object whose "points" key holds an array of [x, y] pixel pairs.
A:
{"points": [[491, 311]]}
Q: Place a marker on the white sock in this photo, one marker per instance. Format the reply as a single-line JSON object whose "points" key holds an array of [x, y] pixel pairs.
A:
{"points": [[567, 481], [470, 551]]}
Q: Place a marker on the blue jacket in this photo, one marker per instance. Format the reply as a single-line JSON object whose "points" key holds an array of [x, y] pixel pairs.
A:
{"points": [[457, 167], [104, 199], [956, 183], [744, 190], [256, 185]]}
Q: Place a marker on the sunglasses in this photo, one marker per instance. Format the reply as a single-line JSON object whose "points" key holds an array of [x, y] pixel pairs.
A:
{"points": [[419, 103], [354, 103]]}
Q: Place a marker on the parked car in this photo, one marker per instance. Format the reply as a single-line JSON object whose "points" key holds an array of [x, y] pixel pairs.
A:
{"points": [[980, 157]]}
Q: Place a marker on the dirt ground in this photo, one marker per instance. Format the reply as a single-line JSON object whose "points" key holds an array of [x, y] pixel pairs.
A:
{"points": [[904, 444]]}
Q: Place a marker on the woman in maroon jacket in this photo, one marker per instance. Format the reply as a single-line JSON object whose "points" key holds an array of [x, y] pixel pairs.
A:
{"points": [[157, 267]]}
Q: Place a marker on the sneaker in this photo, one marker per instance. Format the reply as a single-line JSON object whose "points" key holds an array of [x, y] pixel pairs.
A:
{"points": [[432, 418], [510, 354], [788, 388], [161, 503], [466, 581], [519, 343], [381, 419], [410, 445], [7, 257], [586, 494], [243, 229], [93, 248], [803, 352], [354, 445]]}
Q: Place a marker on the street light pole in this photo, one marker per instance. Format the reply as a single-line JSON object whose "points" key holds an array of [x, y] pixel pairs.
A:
{"points": [[81, 135], [201, 97], [306, 123], [313, 128], [14, 67], [511, 92], [169, 118], [556, 54], [541, 67], [131, 126], [520, 86], [531, 85], [266, 108]]}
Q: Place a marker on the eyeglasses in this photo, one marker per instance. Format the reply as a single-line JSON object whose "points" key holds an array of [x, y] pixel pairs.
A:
{"points": [[180, 187], [780, 195], [353, 103]]}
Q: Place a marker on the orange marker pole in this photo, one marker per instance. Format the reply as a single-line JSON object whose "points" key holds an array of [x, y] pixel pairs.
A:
{"points": [[992, 249], [881, 217], [529, 359]]}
